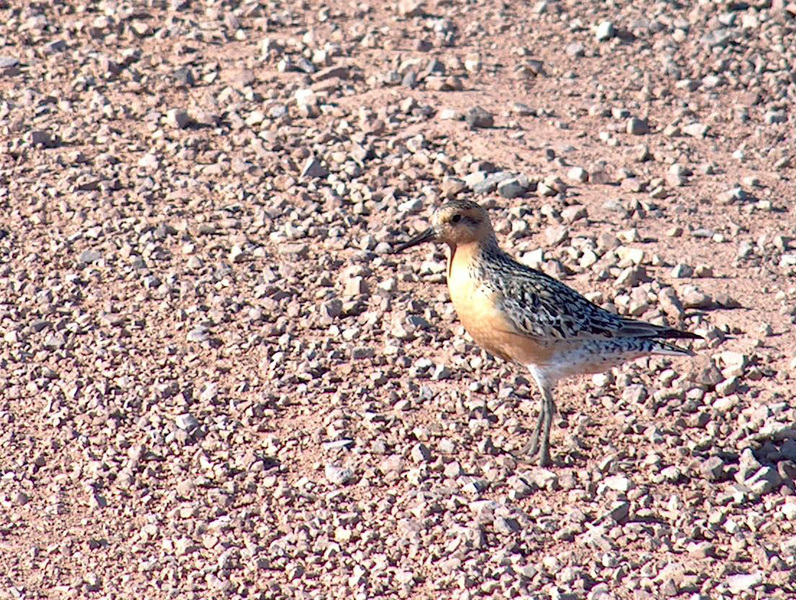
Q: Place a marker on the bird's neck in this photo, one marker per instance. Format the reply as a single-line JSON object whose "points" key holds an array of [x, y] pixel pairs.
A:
{"points": [[466, 255]]}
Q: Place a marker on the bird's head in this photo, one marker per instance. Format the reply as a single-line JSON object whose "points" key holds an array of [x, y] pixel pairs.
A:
{"points": [[455, 223]]}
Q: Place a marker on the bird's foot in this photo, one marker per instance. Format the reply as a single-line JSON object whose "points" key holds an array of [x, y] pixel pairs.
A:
{"points": [[532, 454]]}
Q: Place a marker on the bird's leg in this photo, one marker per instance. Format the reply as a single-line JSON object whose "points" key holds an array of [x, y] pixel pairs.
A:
{"points": [[538, 448], [549, 411], [530, 449]]}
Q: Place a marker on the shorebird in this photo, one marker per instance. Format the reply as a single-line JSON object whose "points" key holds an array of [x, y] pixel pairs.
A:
{"points": [[529, 318]]}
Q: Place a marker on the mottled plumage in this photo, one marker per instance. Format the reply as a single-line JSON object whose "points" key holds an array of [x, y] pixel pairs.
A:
{"points": [[525, 316]]}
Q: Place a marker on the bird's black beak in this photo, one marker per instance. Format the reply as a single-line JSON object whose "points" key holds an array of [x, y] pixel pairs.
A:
{"points": [[429, 235]]}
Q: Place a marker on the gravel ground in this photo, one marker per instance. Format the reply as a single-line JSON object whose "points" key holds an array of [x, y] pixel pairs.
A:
{"points": [[217, 382]]}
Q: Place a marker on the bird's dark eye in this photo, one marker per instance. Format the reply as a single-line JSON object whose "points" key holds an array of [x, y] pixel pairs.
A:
{"points": [[456, 218]]}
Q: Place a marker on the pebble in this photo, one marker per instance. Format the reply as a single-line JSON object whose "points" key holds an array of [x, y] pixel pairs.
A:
{"points": [[605, 31], [186, 422], [636, 126], [488, 182], [514, 187], [712, 468], [313, 168], [179, 119], [337, 475], [39, 137], [696, 130], [744, 582], [479, 118], [420, 453], [692, 297], [198, 334], [682, 271], [90, 256], [578, 175], [765, 480]]}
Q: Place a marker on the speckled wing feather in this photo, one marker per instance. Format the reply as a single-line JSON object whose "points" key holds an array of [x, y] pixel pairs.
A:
{"points": [[542, 307]]}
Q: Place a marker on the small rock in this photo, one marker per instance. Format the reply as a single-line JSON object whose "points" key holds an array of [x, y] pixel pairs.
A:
{"points": [[636, 126], [392, 464], [554, 235], [789, 510], [712, 468], [619, 510], [605, 31], [452, 187], [682, 271], [9, 65], [39, 137], [764, 481], [578, 175], [184, 77], [506, 525], [313, 169], [89, 256], [696, 130], [355, 286], [186, 422], [619, 483], [420, 453], [734, 363], [179, 119], [337, 475], [488, 183], [149, 161], [744, 582], [788, 547], [693, 297], [514, 187], [748, 465], [575, 50], [522, 110], [410, 8], [198, 334], [732, 196], [573, 213], [478, 118]]}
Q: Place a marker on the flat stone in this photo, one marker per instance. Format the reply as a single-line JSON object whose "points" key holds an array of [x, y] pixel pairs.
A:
{"points": [[743, 582], [491, 181], [696, 130], [573, 213], [333, 72], [766, 480], [392, 464], [8, 63], [198, 334], [89, 256], [313, 169], [619, 483], [338, 475], [39, 137], [514, 187]]}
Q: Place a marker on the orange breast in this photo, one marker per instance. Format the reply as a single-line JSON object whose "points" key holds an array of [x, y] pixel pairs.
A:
{"points": [[478, 307]]}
